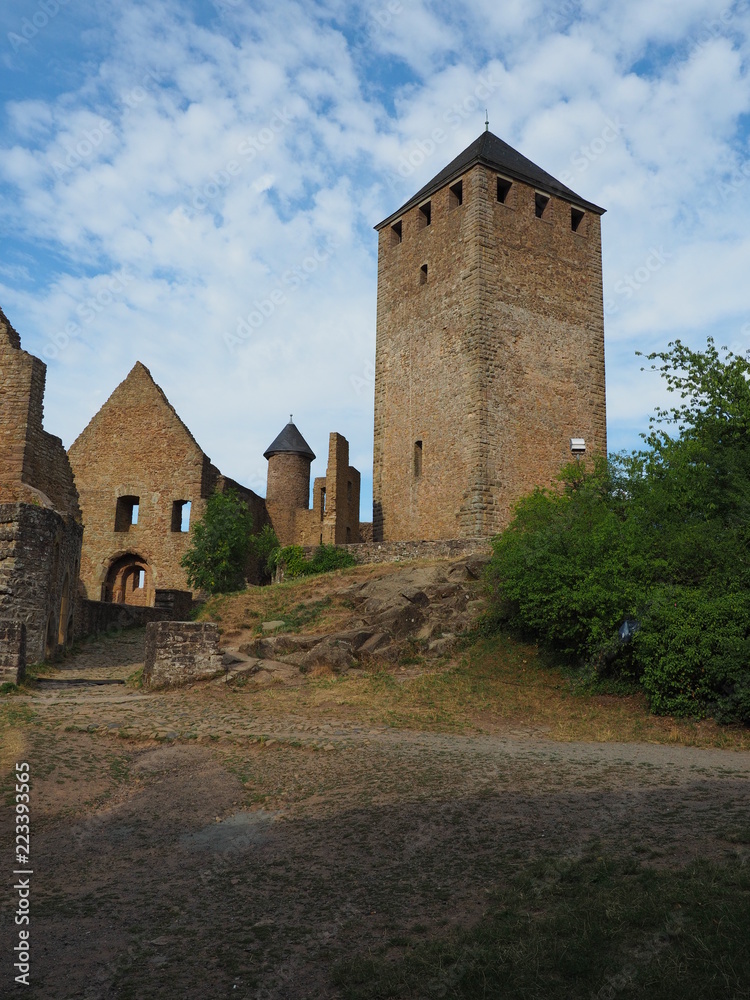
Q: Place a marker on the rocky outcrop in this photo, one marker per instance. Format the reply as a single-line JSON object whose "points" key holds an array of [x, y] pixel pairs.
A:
{"points": [[419, 611]]}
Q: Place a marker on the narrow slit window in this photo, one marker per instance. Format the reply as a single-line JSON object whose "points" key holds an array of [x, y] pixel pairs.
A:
{"points": [[457, 194], [141, 579], [576, 218], [126, 513], [423, 274], [503, 189], [181, 515], [425, 214], [541, 205], [349, 491], [322, 501], [417, 459], [397, 233]]}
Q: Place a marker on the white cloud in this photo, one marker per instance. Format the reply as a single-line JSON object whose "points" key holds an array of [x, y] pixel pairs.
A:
{"points": [[251, 153]]}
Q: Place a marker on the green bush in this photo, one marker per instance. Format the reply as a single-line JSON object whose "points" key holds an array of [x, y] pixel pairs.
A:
{"points": [[325, 558], [661, 536], [694, 648]]}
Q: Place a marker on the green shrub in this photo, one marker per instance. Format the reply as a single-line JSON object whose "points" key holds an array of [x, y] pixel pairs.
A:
{"points": [[694, 648], [661, 536], [324, 559], [329, 557]]}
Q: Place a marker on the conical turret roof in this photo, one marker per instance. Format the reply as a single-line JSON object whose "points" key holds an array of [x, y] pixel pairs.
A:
{"points": [[290, 440], [496, 154]]}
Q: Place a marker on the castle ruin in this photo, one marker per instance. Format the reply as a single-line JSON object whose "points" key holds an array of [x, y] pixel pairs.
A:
{"points": [[489, 361]]}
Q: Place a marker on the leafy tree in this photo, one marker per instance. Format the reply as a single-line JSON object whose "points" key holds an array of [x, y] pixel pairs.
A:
{"points": [[661, 536], [265, 546], [220, 546]]}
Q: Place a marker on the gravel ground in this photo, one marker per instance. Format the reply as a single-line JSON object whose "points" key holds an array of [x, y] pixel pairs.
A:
{"points": [[221, 851]]}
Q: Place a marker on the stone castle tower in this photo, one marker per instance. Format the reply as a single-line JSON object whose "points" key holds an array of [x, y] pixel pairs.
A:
{"points": [[490, 344]]}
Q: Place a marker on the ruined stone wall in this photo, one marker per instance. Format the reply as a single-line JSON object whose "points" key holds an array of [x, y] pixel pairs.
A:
{"points": [[33, 464], [181, 652], [334, 516], [408, 551], [137, 447], [12, 652], [95, 617], [40, 533], [488, 363], [39, 561]]}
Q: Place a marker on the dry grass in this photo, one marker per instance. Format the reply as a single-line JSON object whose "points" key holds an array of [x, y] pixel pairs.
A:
{"points": [[497, 685]]}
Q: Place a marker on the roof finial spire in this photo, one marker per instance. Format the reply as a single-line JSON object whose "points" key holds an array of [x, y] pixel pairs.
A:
{"points": [[291, 418], [487, 120]]}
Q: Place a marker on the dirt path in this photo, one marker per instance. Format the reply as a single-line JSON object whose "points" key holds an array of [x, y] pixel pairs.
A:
{"points": [[221, 850]]}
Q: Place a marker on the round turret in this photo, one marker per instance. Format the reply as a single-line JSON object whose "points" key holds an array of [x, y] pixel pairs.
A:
{"points": [[289, 458]]}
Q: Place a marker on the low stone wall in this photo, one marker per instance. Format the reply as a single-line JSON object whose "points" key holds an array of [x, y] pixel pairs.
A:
{"points": [[95, 617], [180, 653], [386, 552], [12, 652]]}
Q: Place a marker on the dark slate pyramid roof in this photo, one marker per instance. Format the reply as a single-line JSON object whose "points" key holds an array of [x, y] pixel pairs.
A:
{"points": [[497, 155], [289, 440]]}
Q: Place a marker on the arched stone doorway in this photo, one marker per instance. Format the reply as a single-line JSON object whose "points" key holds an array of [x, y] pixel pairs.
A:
{"points": [[129, 581]]}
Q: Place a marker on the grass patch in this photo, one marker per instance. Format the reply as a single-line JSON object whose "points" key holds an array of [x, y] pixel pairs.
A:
{"points": [[593, 927], [135, 680]]}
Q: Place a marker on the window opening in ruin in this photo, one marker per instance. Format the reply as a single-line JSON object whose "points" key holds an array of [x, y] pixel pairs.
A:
{"points": [[503, 189], [457, 194], [417, 459], [423, 274], [322, 501], [541, 202], [126, 513], [141, 580], [425, 214], [181, 515], [349, 491], [348, 535], [397, 233], [576, 218]]}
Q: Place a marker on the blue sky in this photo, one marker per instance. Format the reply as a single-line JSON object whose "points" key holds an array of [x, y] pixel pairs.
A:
{"points": [[170, 169]]}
